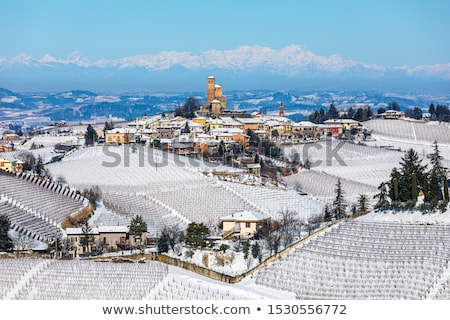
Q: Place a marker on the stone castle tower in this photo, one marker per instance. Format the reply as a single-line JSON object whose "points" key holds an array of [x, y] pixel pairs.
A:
{"points": [[216, 102]]}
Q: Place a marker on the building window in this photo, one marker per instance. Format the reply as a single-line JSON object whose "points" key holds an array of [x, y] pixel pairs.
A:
{"points": [[247, 224]]}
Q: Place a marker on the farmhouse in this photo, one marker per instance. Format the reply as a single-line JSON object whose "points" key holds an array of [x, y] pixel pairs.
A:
{"points": [[108, 237], [392, 114], [242, 224]]}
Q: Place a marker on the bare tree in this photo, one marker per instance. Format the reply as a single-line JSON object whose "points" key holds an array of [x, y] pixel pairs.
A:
{"points": [[289, 225], [170, 237], [22, 242]]}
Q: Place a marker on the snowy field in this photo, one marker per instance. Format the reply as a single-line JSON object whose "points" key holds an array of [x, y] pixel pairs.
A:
{"points": [[379, 256], [170, 189], [362, 167]]}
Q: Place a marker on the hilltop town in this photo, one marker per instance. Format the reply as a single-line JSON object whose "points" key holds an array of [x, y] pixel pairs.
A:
{"points": [[208, 130]]}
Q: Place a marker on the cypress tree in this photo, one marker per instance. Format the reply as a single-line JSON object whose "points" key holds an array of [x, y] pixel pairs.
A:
{"points": [[414, 191], [339, 203], [445, 185], [396, 194]]}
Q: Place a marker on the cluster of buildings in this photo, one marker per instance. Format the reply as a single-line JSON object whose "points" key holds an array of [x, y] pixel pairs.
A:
{"points": [[214, 124]]}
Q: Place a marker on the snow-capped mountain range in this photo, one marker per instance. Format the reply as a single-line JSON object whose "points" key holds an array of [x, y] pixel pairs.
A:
{"points": [[246, 67]]}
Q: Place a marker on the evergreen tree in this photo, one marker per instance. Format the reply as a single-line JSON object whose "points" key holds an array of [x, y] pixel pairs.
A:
{"points": [[445, 186], [394, 106], [414, 192], [369, 113], [382, 196], [245, 248], [410, 165], [411, 179], [432, 111], [414, 113], [363, 203], [381, 110], [90, 136], [396, 196], [6, 244], [137, 227], [39, 166], [196, 233], [87, 238], [254, 138], [339, 203], [350, 113], [333, 112], [328, 214], [256, 251], [436, 161], [109, 125], [437, 176], [359, 115]]}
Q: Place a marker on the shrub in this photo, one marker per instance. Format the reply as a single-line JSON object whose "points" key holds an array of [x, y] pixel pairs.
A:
{"points": [[205, 259], [220, 260]]}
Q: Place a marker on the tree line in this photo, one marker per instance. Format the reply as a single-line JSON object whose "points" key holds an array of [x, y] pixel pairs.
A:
{"points": [[413, 185]]}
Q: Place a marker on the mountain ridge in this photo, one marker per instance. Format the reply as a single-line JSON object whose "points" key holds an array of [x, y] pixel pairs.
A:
{"points": [[286, 66]]}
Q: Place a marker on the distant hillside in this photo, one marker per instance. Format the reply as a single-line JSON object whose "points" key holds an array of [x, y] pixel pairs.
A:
{"points": [[79, 105]]}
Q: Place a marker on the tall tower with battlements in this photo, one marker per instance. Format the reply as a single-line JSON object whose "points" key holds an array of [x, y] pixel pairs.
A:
{"points": [[210, 89], [216, 102]]}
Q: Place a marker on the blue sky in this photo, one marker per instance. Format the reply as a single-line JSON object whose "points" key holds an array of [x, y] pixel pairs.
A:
{"points": [[387, 33]]}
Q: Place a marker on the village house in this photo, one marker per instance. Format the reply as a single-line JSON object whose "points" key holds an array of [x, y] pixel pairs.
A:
{"points": [[252, 123], [274, 128], [183, 145], [330, 129], [10, 164], [214, 124], [200, 120], [6, 148], [195, 127], [242, 139], [147, 135], [208, 147], [254, 168], [305, 129], [230, 123], [108, 238], [347, 124], [10, 137], [119, 136], [243, 224], [391, 114]]}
